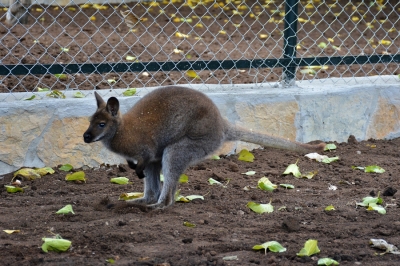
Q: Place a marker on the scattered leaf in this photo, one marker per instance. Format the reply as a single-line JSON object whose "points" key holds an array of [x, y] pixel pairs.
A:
{"points": [[44, 171], [212, 181], [12, 231], [42, 89], [385, 42], [374, 169], [327, 261], [12, 189], [249, 173], [65, 210], [131, 195], [330, 146], [189, 224], [30, 98], [329, 208], [192, 197], [55, 244], [263, 36], [183, 178], [64, 49], [382, 244], [181, 35], [260, 208], [180, 198], [111, 261], [310, 248], [375, 207], [61, 76], [308, 71], [331, 159], [99, 7], [56, 94], [246, 156], [309, 175], [373, 204], [111, 81], [77, 176], [316, 156], [192, 74], [129, 92], [228, 258], [293, 169], [120, 180], [79, 94], [322, 45], [287, 186], [66, 167], [273, 246], [332, 187], [265, 184], [215, 157], [27, 174], [130, 58]]}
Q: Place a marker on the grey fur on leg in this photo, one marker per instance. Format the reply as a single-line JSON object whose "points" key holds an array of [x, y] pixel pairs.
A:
{"points": [[176, 159], [152, 185]]}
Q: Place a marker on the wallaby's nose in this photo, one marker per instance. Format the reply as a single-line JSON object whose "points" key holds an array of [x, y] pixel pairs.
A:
{"points": [[87, 137]]}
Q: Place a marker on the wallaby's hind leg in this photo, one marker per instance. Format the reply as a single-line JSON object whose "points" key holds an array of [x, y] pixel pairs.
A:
{"points": [[152, 185], [176, 159]]}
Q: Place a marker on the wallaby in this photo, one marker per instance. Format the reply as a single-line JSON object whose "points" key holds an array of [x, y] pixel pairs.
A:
{"points": [[168, 130], [18, 11]]}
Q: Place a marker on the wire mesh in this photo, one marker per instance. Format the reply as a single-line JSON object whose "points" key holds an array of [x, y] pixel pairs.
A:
{"points": [[177, 30]]}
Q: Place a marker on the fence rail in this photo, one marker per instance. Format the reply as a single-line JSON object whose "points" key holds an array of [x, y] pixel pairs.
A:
{"points": [[265, 37]]}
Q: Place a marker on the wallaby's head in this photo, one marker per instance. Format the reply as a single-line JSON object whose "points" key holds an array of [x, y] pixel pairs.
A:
{"points": [[105, 121]]}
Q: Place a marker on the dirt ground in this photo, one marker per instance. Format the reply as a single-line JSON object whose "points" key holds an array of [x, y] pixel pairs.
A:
{"points": [[225, 226], [237, 30]]}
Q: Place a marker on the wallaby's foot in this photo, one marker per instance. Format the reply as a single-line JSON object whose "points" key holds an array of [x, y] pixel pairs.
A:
{"points": [[158, 206], [120, 207], [142, 201]]}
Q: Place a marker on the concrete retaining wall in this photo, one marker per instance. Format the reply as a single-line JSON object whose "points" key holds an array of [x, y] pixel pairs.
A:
{"points": [[49, 132]]}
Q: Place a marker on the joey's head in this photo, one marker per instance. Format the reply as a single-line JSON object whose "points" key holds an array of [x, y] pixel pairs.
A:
{"points": [[104, 123]]}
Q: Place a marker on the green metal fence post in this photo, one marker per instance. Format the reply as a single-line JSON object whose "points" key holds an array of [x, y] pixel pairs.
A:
{"points": [[290, 39]]}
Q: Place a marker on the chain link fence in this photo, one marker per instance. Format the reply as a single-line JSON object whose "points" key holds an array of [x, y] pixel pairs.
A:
{"points": [[90, 46]]}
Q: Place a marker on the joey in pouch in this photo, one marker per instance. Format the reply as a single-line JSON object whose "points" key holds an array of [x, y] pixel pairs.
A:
{"points": [[168, 130]]}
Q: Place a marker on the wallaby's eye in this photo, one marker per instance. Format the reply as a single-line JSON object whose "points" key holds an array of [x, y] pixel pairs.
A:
{"points": [[102, 124]]}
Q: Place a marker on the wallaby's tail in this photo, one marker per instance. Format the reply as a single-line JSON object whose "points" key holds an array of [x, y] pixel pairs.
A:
{"points": [[237, 133]]}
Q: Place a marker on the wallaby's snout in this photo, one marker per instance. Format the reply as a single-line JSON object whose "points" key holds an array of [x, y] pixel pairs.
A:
{"points": [[87, 137]]}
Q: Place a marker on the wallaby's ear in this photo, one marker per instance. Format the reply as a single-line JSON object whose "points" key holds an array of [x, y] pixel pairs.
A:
{"points": [[113, 106], [100, 101]]}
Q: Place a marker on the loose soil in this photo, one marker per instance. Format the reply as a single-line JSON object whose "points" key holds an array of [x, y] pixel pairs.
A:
{"points": [[224, 225], [230, 31]]}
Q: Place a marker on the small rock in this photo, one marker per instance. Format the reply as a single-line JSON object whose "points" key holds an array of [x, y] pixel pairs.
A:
{"points": [[122, 168], [352, 140], [187, 240], [291, 224], [389, 191], [121, 223], [213, 253], [233, 167]]}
